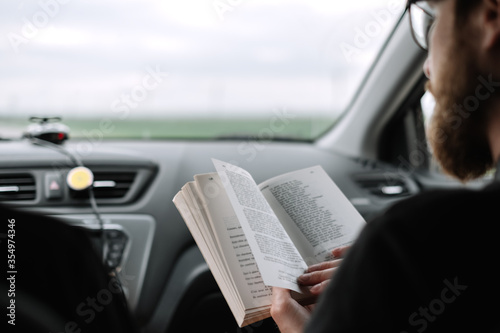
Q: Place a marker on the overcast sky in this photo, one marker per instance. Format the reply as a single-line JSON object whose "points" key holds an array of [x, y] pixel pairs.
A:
{"points": [[85, 57]]}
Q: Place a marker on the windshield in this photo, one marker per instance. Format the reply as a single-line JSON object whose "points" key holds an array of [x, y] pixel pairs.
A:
{"points": [[196, 69]]}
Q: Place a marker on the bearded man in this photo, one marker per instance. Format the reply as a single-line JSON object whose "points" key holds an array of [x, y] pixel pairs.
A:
{"points": [[428, 263]]}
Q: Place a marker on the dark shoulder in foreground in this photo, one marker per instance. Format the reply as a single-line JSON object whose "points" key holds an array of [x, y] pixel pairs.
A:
{"points": [[57, 281]]}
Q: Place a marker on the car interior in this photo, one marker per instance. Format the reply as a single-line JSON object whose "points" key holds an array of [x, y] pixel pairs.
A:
{"points": [[349, 96]]}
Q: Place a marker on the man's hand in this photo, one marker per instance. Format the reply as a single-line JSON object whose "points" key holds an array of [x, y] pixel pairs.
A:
{"points": [[318, 276], [289, 315]]}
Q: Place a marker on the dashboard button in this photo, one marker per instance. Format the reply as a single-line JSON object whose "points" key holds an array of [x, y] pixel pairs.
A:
{"points": [[53, 186]]}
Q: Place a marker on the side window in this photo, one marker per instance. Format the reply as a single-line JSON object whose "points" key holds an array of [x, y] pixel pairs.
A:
{"points": [[403, 143], [427, 104]]}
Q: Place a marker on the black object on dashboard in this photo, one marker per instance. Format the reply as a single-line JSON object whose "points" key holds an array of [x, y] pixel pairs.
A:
{"points": [[47, 129]]}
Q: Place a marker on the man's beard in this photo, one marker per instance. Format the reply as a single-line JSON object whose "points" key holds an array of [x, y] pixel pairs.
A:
{"points": [[457, 131]]}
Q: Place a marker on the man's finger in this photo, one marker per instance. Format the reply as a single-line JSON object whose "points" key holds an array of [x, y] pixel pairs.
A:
{"points": [[313, 278], [340, 252], [319, 288], [324, 265]]}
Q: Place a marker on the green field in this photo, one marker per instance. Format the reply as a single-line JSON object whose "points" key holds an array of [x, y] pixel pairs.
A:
{"points": [[195, 128]]}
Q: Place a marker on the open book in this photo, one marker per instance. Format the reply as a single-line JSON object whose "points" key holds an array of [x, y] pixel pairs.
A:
{"points": [[257, 236]]}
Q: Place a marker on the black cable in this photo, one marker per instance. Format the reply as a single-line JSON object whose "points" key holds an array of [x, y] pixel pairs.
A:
{"points": [[53, 146], [93, 203]]}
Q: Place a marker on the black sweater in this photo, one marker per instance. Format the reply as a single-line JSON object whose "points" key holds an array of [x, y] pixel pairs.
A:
{"points": [[428, 264]]}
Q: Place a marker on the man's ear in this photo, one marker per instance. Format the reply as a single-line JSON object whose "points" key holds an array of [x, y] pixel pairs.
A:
{"points": [[490, 21]]}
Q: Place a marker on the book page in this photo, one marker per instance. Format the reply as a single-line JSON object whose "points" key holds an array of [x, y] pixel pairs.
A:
{"points": [[232, 241], [314, 212], [192, 215], [279, 261]]}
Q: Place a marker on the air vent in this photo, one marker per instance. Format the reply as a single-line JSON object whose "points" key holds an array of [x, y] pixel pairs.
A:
{"points": [[382, 186], [17, 187], [108, 185]]}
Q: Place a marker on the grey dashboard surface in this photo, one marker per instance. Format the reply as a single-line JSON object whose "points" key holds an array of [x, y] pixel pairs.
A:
{"points": [[163, 167]]}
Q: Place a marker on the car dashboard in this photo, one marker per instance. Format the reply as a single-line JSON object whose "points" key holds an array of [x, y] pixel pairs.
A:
{"points": [[166, 280]]}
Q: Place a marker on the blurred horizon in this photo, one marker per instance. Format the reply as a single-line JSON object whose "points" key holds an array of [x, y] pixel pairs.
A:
{"points": [[144, 59]]}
